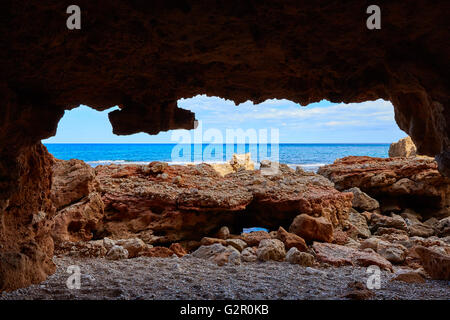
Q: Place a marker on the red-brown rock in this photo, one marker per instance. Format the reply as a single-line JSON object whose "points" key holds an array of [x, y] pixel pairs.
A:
{"points": [[291, 240], [158, 252], [254, 238], [75, 195], [436, 264], [161, 211], [403, 183], [72, 181], [312, 228], [26, 245], [206, 241], [409, 277], [178, 249], [338, 255]]}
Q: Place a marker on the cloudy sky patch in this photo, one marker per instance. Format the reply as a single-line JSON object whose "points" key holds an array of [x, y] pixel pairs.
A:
{"points": [[323, 122]]}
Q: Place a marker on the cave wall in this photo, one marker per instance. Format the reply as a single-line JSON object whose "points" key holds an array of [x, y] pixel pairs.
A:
{"points": [[145, 55]]}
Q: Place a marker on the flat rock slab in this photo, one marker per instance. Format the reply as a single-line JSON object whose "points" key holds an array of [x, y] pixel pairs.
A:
{"points": [[188, 202]]}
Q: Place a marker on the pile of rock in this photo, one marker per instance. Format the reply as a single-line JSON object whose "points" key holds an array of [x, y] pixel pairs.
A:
{"points": [[397, 183], [117, 249], [345, 216], [400, 212], [163, 204], [237, 163]]}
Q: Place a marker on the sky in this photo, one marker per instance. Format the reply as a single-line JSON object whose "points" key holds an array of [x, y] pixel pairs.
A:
{"points": [[322, 122]]}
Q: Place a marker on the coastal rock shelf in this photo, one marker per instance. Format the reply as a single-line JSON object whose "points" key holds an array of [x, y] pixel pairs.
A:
{"points": [[397, 183], [164, 204]]}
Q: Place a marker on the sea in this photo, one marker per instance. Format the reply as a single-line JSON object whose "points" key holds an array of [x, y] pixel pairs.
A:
{"points": [[309, 156]]}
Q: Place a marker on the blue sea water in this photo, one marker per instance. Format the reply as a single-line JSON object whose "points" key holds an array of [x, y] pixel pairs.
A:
{"points": [[309, 156]]}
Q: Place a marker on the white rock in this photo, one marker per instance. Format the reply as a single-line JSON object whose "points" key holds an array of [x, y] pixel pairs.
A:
{"points": [[295, 256], [237, 243], [117, 253], [209, 252], [108, 243], [249, 255], [271, 249]]}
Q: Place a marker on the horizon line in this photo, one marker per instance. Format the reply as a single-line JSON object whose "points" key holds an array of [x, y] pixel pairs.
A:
{"points": [[173, 143]]}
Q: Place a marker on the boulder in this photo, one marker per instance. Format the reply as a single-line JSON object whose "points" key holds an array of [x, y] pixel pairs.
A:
{"points": [[242, 161], [291, 240], [359, 223], [254, 238], [178, 249], [382, 231], [209, 252], [108, 243], [403, 148], [219, 254], [117, 253], [134, 246], [357, 290], [223, 233], [237, 243], [156, 167], [411, 215], [409, 276], [228, 257], [78, 221], [338, 255], [443, 227], [222, 169], [271, 249], [420, 230], [312, 228], [395, 222], [395, 253], [72, 180], [295, 256], [157, 252], [237, 162], [249, 254], [436, 264], [362, 201], [206, 241]]}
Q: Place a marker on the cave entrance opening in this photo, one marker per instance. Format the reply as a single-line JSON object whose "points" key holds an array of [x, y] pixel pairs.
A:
{"points": [[306, 137]]}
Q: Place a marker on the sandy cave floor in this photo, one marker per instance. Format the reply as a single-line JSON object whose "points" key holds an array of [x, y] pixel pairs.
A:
{"points": [[192, 278]]}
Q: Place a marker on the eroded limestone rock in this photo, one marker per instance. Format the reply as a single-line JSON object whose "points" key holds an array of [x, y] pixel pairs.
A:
{"points": [[403, 148]]}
